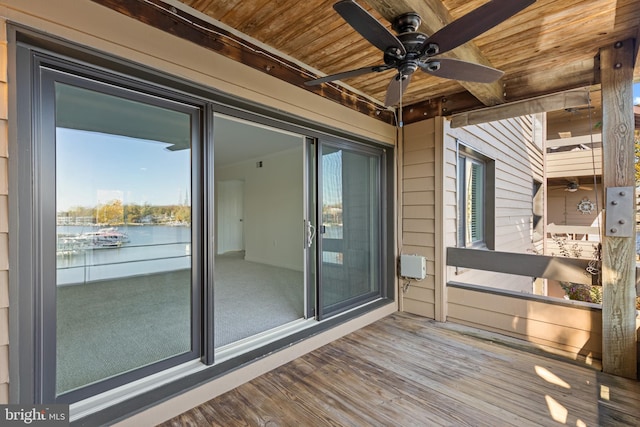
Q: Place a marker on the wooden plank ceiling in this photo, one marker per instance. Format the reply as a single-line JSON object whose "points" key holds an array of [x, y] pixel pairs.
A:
{"points": [[551, 46]]}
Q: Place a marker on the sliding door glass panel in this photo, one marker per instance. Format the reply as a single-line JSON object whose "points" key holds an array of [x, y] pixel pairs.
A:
{"points": [[259, 267], [350, 232], [124, 245]]}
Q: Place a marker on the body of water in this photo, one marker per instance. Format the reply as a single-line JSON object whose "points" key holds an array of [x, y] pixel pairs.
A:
{"points": [[150, 249]]}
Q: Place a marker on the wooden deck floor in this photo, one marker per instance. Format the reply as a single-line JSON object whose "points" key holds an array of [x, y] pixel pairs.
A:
{"points": [[409, 371]]}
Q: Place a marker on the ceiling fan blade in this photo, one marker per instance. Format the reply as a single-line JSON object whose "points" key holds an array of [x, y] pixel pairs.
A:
{"points": [[473, 24], [396, 88], [457, 69], [348, 74], [368, 26]]}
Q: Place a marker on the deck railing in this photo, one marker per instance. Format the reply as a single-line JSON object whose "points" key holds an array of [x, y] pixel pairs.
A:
{"points": [[574, 163], [93, 264], [572, 328], [580, 239], [543, 266]]}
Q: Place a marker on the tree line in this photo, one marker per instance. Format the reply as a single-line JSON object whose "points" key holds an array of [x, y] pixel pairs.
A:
{"points": [[115, 212]]}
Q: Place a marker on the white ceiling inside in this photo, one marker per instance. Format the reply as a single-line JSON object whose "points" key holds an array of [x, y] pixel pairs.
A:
{"points": [[236, 140]]}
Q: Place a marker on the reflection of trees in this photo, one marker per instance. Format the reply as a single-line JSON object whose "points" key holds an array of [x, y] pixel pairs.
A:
{"points": [[114, 213], [110, 213], [183, 214], [332, 214], [134, 213]]}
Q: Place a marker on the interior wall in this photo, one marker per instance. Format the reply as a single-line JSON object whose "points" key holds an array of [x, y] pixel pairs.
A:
{"points": [[273, 207]]}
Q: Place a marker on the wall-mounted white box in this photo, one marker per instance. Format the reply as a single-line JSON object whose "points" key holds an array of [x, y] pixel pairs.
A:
{"points": [[413, 266]]}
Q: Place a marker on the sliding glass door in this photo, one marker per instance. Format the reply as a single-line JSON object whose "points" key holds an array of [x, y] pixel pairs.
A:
{"points": [[119, 219], [162, 231], [299, 229], [351, 228], [259, 181]]}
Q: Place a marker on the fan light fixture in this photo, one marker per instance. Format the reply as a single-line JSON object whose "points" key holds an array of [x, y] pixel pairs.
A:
{"points": [[572, 187], [411, 50]]}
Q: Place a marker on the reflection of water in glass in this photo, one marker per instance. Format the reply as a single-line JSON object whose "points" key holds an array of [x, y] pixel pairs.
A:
{"points": [[333, 231], [150, 249]]}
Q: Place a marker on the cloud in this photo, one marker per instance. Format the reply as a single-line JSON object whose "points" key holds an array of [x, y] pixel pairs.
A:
{"points": [[636, 100]]}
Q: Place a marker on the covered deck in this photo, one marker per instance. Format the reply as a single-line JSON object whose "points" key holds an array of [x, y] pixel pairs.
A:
{"points": [[409, 370]]}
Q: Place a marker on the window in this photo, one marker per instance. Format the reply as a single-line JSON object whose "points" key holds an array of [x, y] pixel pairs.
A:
{"points": [[538, 213], [475, 199]]}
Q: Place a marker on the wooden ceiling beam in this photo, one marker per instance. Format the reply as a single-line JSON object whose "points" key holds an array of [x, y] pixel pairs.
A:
{"points": [[435, 16], [160, 15], [557, 101]]}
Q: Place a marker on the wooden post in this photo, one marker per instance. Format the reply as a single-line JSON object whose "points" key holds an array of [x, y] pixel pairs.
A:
{"points": [[618, 252]]}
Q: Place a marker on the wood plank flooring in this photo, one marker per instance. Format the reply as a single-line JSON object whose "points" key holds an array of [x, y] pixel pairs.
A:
{"points": [[406, 370]]}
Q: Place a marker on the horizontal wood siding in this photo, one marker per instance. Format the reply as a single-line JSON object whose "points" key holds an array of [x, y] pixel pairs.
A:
{"points": [[4, 222], [419, 213], [574, 163], [571, 329], [515, 146]]}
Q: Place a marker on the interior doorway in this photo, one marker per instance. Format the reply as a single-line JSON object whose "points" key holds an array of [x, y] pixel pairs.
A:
{"points": [[230, 216]]}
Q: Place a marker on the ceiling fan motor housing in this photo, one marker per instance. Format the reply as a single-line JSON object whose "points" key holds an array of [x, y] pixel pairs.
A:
{"points": [[406, 23], [406, 64]]}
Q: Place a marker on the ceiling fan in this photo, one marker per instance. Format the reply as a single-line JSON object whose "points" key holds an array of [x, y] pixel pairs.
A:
{"points": [[412, 50], [572, 185]]}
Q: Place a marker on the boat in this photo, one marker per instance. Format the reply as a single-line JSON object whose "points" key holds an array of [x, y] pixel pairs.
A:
{"points": [[105, 238]]}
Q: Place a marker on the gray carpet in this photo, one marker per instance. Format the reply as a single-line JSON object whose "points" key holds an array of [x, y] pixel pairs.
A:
{"points": [[108, 327], [251, 298]]}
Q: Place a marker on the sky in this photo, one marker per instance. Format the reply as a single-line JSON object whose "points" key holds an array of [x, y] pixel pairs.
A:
{"points": [[636, 94], [94, 168]]}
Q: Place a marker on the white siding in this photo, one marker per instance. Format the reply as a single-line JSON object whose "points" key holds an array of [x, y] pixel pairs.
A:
{"points": [[513, 145]]}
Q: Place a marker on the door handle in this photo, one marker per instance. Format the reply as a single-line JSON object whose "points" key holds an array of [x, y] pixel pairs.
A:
{"points": [[311, 234]]}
